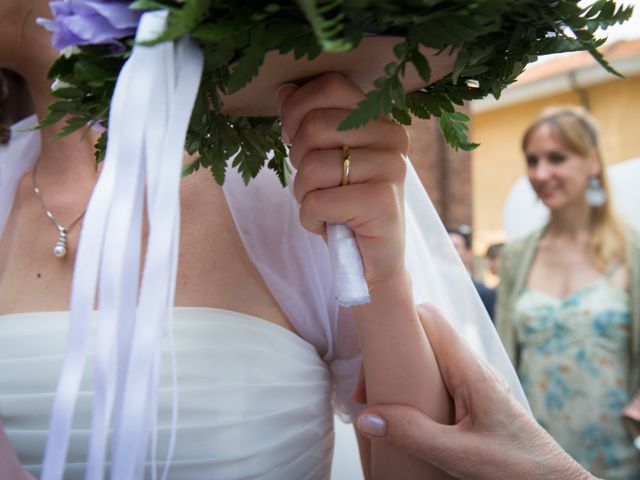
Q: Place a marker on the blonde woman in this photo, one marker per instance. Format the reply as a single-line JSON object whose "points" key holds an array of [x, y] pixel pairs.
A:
{"points": [[569, 299]]}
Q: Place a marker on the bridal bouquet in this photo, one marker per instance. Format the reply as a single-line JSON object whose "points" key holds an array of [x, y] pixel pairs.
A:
{"points": [[492, 40]]}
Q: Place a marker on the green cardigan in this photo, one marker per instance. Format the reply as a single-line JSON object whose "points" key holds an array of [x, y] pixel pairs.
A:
{"points": [[514, 271]]}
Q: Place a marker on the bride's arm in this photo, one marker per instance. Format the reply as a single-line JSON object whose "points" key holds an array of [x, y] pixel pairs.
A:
{"points": [[399, 364]]}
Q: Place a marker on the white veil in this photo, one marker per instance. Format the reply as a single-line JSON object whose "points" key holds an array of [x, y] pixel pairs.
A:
{"points": [[295, 265]]}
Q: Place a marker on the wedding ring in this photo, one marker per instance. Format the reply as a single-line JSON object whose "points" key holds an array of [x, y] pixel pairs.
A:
{"points": [[346, 164]]}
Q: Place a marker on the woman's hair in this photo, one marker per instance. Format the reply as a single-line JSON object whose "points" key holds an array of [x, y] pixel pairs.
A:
{"points": [[579, 132], [5, 120], [15, 102]]}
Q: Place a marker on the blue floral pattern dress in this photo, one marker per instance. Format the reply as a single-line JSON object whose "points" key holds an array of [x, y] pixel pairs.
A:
{"points": [[574, 368]]}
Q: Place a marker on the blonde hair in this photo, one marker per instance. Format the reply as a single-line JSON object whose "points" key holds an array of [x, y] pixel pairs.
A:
{"points": [[579, 132]]}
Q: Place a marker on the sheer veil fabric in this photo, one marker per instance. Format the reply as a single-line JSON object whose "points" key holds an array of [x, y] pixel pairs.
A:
{"points": [[267, 218], [16, 158]]}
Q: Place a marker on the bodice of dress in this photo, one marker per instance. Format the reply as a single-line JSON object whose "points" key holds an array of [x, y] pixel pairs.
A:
{"points": [[254, 398], [574, 367]]}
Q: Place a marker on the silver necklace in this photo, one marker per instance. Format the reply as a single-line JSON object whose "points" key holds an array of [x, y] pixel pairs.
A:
{"points": [[60, 248]]}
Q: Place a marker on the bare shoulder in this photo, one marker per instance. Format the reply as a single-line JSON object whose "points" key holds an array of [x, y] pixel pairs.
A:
{"points": [[214, 267]]}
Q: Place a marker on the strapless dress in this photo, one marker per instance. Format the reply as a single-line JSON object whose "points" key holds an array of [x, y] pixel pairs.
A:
{"points": [[254, 398]]}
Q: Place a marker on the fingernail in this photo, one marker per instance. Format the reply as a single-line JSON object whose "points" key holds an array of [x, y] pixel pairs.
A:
{"points": [[285, 138], [289, 86], [372, 425], [283, 92]]}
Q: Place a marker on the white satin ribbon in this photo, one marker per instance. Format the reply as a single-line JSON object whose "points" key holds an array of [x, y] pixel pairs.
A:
{"points": [[150, 113], [349, 285]]}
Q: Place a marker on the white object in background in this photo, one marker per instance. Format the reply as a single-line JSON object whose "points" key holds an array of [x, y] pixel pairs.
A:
{"points": [[524, 213], [625, 178]]}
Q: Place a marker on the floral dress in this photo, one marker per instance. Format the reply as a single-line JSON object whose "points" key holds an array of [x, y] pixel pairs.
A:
{"points": [[574, 368]]}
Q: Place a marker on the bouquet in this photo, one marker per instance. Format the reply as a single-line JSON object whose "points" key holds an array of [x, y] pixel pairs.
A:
{"points": [[492, 40]]}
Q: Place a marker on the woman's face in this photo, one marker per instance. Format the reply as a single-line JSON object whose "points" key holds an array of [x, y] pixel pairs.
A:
{"points": [[558, 176]]}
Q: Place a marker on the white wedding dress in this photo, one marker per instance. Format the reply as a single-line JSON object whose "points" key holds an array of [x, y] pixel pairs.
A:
{"points": [[254, 398]]}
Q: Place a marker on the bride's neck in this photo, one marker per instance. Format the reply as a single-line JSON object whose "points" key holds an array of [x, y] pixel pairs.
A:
{"points": [[26, 49]]}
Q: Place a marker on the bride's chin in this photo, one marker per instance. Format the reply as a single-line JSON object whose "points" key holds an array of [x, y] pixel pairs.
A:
{"points": [[24, 45]]}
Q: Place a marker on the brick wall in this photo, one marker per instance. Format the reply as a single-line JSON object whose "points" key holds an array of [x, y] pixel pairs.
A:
{"points": [[445, 173]]}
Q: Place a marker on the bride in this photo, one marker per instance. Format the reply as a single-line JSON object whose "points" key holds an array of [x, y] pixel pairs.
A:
{"points": [[262, 359]]}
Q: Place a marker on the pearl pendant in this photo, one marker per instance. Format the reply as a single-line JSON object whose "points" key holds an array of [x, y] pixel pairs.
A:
{"points": [[60, 248]]}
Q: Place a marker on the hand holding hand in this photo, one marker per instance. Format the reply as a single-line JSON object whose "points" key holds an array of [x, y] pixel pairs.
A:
{"points": [[492, 437]]}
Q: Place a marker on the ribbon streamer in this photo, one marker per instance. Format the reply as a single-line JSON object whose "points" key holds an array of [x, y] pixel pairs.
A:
{"points": [[149, 117]]}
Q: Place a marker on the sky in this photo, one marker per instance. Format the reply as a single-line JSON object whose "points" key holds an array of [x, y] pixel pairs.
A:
{"points": [[628, 30]]}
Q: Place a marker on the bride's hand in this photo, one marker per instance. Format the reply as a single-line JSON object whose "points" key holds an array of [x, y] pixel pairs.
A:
{"points": [[372, 204]]}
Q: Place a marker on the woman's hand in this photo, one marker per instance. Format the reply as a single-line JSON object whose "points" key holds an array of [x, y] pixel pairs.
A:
{"points": [[372, 203], [492, 437]]}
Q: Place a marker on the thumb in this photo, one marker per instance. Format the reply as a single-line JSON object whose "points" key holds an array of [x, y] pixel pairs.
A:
{"points": [[408, 429]]}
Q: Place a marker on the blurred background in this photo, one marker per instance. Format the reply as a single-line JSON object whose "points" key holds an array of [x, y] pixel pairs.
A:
{"points": [[485, 189]]}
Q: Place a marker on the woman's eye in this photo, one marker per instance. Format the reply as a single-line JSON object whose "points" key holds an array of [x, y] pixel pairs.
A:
{"points": [[532, 160], [557, 157]]}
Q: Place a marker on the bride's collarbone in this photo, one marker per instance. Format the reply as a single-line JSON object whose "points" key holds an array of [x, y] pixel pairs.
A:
{"points": [[214, 269]]}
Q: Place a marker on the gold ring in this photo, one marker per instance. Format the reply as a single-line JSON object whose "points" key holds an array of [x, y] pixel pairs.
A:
{"points": [[346, 163]]}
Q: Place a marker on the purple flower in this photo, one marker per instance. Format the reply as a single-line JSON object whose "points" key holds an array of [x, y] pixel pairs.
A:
{"points": [[87, 22]]}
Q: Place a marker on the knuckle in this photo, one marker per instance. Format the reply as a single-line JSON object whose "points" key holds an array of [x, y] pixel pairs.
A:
{"points": [[309, 166], [299, 187], [397, 166], [429, 310], [305, 174], [331, 81], [405, 140], [306, 220], [407, 432], [388, 199], [398, 136], [312, 205], [312, 126]]}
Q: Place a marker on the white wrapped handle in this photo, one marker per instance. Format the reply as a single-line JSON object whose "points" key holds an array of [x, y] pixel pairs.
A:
{"points": [[349, 285]]}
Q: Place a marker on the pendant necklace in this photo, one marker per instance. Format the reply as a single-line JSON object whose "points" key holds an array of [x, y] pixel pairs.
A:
{"points": [[61, 246]]}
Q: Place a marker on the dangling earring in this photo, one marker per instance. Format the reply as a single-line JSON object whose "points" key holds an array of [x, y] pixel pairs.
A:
{"points": [[595, 196]]}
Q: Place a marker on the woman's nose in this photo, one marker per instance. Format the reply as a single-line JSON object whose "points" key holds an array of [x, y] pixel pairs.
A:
{"points": [[540, 171]]}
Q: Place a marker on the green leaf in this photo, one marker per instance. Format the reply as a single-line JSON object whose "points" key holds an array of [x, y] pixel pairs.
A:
{"points": [[327, 30], [71, 93], [214, 32], [493, 40], [401, 116], [191, 167], [246, 68], [90, 71], [454, 128], [183, 20], [422, 66], [367, 109]]}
